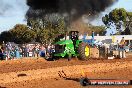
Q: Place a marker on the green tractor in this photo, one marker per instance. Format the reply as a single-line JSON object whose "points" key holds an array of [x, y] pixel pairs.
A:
{"points": [[71, 48]]}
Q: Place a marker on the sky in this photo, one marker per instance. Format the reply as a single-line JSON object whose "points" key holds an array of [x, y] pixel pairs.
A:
{"points": [[13, 12], [126, 4]]}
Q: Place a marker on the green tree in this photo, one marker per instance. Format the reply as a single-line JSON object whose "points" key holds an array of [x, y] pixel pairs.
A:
{"points": [[5, 36], [22, 34], [43, 36], [119, 17], [47, 28], [28, 36], [98, 30], [129, 22]]}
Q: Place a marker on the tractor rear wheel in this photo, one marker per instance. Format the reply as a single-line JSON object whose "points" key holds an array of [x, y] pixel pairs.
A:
{"points": [[84, 51]]}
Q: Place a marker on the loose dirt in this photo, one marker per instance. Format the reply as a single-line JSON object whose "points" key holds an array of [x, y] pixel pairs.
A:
{"points": [[39, 73]]}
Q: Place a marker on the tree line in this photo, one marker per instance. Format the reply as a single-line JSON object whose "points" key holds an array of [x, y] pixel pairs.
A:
{"points": [[38, 30], [42, 30], [120, 18], [45, 30]]}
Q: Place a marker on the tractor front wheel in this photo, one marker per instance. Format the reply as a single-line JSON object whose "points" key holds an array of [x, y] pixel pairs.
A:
{"points": [[84, 51]]}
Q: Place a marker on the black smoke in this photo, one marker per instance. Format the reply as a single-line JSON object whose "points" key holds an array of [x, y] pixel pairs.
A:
{"points": [[71, 8]]}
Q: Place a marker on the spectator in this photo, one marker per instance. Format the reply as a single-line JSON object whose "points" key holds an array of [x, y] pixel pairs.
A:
{"points": [[17, 53], [121, 48], [27, 51], [37, 50], [122, 42], [43, 51], [1, 54]]}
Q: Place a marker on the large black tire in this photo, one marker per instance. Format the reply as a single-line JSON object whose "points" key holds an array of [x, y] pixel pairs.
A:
{"points": [[82, 51]]}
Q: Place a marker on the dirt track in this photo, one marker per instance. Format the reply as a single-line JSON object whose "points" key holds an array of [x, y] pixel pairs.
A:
{"points": [[39, 73]]}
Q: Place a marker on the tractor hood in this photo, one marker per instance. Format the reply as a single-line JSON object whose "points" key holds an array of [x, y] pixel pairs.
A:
{"points": [[64, 42]]}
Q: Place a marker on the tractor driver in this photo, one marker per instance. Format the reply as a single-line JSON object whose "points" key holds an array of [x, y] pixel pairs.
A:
{"points": [[74, 36]]}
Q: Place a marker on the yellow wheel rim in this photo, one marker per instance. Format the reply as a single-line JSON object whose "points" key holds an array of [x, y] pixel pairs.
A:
{"points": [[87, 51]]}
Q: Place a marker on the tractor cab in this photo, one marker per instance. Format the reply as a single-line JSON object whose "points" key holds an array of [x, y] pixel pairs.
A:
{"points": [[74, 36]]}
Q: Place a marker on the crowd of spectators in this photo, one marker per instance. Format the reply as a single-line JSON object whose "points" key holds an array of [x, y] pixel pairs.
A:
{"points": [[11, 51]]}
